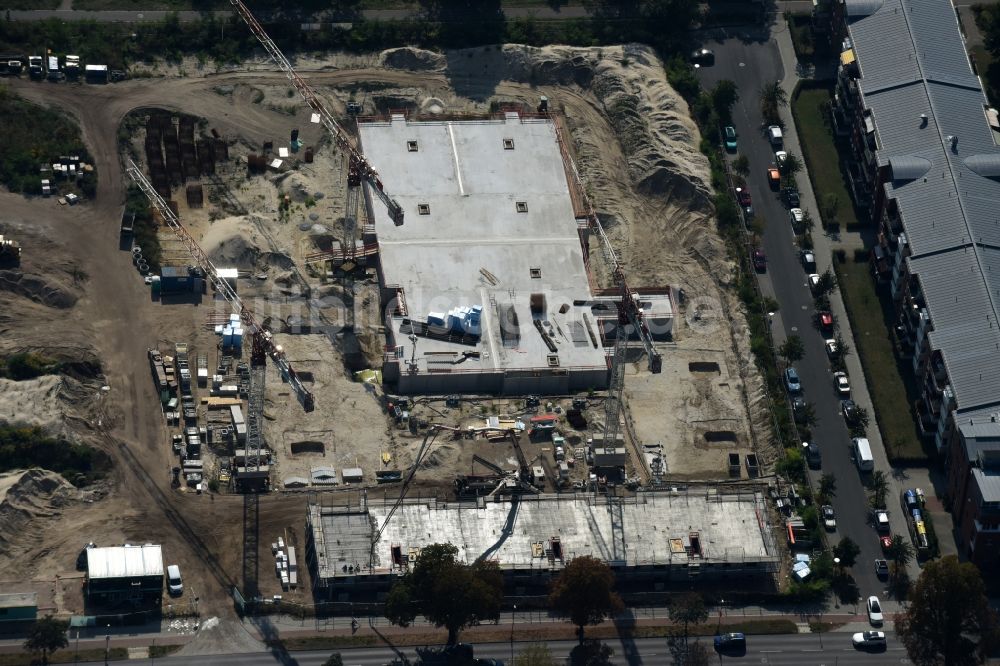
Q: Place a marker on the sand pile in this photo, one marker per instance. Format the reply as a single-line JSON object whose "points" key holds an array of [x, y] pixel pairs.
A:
{"points": [[35, 402], [26, 497], [37, 289], [414, 60], [231, 243]]}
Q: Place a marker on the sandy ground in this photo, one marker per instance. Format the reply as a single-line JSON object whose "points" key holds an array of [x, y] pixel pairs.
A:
{"points": [[637, 151]]}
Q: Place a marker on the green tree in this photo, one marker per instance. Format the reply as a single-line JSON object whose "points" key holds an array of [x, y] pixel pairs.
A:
{"points": [[334, 660], [988, 21], [584, 592], [791, 165], [46, 636], [686, 610], [861, 420], [847, 551], [900, 552], [772, 98], [741, 165], [447, 592], [792, 349], [826, 284], [948, 620], [591, 653], [536, 654], [878, 489], [724, 96], [828, 486]]}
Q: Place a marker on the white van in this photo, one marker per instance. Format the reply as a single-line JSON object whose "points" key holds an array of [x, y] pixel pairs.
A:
{"points": [[174, 583], [774, 136], [863, 454]]}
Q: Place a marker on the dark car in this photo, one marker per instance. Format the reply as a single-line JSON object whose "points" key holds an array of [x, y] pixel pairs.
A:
{"points": [[759, 260], [850, 411], [703, 58], [813, 456], [881, 569], [799, 408], [790, 196], [735, 642]]}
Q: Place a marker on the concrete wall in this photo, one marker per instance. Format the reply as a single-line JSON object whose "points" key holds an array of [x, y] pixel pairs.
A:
{"points": [[499, 382]]}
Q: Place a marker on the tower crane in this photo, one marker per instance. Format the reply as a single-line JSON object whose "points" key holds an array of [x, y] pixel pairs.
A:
{"points": [[262, 341], [364, 168]]}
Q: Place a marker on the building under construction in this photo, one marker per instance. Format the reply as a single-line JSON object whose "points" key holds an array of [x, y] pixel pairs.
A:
{"points": [[486, 287], [651, 538]]}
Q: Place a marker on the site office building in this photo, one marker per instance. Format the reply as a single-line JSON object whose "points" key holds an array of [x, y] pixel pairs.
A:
{"points": [[125, 573]]}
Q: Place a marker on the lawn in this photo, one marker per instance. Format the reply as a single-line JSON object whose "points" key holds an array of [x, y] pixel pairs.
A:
{"points": [[887, 380], [809, 106]]}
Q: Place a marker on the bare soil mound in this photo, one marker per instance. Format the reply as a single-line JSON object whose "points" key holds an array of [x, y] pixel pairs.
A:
{"points": [[28, 496], [37, 289], [415, 60]]}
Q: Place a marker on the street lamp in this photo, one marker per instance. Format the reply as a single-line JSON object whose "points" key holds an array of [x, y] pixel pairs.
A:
{"points": [[107, 646], [512, 633]]}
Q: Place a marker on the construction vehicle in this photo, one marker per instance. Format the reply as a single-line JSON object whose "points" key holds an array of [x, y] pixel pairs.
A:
{"points": [[365, 170], [10, 251]]}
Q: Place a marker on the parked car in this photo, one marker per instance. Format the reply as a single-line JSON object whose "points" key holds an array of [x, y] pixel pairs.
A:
{"points": [[745, 201], [825, 321], [808, 260], [703, 57], [779, 158], [886, 542], [759, 260], [730, 134], [813, 456], [850, 411], [774, 136], [798, 408], [881, 569], [790, 196], [829, 518], [832, 349], [813, 281], [869, 639], [841, 383], [174, 583], [797, 217], [773, 177], [880, 519], [792, 381], [875, 611], [732, 642]]}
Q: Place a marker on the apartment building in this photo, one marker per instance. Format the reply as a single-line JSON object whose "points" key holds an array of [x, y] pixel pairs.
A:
{"points": [[923, 158]]}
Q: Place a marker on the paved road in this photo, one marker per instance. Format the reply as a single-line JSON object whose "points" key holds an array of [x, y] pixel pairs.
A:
{"points": [[794, 649], [751, 64]]}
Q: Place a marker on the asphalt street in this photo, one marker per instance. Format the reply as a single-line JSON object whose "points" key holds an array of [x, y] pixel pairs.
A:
{"points": [[790, 649], [750, 64]]}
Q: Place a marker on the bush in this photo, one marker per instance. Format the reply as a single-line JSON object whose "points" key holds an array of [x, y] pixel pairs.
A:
{"points": [[27, 366], [860, 255], [24, 447]]}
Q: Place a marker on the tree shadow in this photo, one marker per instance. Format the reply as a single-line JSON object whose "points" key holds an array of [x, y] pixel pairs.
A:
{"points": [[476, 73], [625, 625]]}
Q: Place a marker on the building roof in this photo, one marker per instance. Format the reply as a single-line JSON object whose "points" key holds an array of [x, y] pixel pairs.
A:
{"points": [[18, 599], [124, 562], [475, 244], [929, 111]]}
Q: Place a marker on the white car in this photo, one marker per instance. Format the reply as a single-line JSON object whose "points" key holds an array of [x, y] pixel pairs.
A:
{"points": [[840, 382], [832, 350], [875, 611], [829, 518], [796, 217], [864, 639], [813, 282], [779, 158], [174, 583]]}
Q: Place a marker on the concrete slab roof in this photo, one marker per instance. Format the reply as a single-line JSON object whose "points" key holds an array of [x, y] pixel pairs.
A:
{"points": [[656, 528], [18, 599], [474, 245]]}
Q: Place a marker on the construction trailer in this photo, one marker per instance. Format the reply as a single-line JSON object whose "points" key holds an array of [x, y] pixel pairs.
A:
{"points": [[10, 251], [95, 73], [125, 573]]}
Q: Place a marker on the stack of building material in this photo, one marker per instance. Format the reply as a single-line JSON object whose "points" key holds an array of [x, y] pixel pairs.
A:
{"points": [[232, 333], [285, 564]]}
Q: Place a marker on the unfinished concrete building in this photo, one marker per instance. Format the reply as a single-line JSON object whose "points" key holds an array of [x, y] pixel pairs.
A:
{"points": [[650, 539], [487, 286]]}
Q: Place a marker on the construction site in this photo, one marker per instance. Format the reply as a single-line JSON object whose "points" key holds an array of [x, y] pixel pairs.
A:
{"points": [[398, 299]]}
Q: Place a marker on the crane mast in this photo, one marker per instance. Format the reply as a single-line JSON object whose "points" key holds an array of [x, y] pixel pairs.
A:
{"points": [[366, 171], [263, 343]]}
